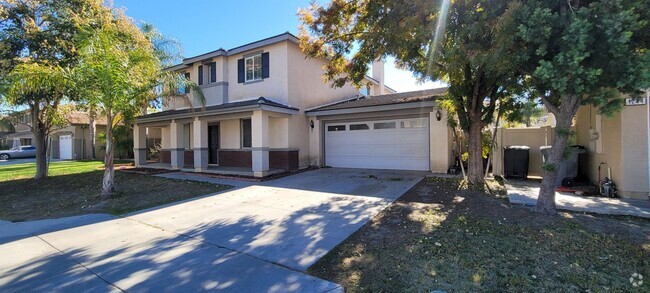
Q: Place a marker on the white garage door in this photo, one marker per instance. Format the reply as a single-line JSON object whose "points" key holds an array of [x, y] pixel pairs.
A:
{"points": [[401, 144], [65, 147]]}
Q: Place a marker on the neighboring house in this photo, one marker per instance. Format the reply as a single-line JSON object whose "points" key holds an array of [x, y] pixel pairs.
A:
{"points": [[68, 143], [73, 142], [619, 145], [268, 110], [21, 134]]}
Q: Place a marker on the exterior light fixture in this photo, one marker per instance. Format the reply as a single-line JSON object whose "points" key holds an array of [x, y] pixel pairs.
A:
{"points": [[311, 124], [438, 115]]}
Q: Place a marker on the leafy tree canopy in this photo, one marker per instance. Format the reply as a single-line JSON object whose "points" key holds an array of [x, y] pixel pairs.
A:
{"points": [[469, 44]]}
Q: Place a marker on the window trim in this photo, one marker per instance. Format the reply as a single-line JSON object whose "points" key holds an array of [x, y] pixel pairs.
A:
{"points": [[252, 57]]}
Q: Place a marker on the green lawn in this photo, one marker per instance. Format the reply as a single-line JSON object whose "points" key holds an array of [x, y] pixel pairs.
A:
{"points": [[27, 170], [73, 188]]}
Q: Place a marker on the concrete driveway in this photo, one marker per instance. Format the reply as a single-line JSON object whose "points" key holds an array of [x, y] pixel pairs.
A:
{"points": [[258, 237]]}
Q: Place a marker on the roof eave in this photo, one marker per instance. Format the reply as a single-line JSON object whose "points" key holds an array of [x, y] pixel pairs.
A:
{"points": [[375, 108], [238, 109]]}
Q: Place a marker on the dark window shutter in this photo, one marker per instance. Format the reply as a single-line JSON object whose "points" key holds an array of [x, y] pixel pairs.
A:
{"points": [[200, 74], [265, 65], [187, 88], [240, 71], [213, 72]]}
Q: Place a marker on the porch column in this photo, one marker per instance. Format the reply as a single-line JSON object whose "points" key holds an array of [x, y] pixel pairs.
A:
{"points": [[176, 147], [438, 142], [260, 143], [139, 145], [200, 137]]}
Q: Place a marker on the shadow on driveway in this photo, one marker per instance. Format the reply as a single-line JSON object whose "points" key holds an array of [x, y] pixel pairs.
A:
{"points": [[258, 237]]}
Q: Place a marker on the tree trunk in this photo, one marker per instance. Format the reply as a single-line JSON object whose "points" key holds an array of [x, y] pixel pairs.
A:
{"points": [[492, 141], [475, 163], [564, 118], [108, 184], [39, 129], [91, 131], [40, 142]]}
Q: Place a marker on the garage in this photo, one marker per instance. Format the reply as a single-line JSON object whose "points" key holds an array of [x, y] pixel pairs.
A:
{"points": [[398, 144], [65, 147]]}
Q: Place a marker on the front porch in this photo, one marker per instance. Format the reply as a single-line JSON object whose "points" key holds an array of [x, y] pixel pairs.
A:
{"points": [[243, 143]]}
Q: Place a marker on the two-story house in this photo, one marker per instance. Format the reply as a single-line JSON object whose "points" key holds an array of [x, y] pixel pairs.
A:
{"points": [[268, 110]]}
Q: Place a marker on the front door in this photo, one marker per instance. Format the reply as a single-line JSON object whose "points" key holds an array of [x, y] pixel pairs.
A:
{"points": [[213, 144]]}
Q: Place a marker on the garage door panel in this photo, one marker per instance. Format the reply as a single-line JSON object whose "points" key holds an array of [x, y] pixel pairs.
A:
{"points": [[393, 148], [413, 151]]}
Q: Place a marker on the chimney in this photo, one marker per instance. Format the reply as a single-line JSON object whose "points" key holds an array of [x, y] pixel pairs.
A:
{"points": [[378, 74]]}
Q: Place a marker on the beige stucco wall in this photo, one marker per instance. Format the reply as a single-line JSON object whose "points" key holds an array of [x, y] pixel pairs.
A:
{"points": [[165, 138], [532, 137], [274, 87], [278, 132], [621, 144], [230, 134], [307, 88], [634, 152]]}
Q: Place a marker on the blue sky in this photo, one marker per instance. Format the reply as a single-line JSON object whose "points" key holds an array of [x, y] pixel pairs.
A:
{"points": [[206, 25]]}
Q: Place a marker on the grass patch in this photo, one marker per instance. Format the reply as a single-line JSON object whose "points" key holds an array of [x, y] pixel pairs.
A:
{"points": [[437, 237], [73, 188]]}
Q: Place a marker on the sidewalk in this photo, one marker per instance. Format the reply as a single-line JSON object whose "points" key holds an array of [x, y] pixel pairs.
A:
{"points": [[525, 193]]}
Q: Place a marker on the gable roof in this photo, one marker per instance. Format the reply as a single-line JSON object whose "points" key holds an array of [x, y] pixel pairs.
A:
{"points": [[382, 100]]}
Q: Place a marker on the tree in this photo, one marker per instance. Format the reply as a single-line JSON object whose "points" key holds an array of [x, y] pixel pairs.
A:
{"points": [[529, 110], [468, 44], [582, 53], [121, 72], [118, 67], [38, 52]]}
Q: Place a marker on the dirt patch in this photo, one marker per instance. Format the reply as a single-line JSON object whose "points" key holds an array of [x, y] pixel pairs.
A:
{"points": [[76, 194], [436, 237]]}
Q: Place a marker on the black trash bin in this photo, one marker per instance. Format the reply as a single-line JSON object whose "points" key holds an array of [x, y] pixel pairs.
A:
{"points": [[569, 167], [515, 161]]}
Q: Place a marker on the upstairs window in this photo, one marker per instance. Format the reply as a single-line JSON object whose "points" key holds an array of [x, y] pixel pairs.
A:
{"points": [[253, 68], [200, 74], [182, 87], [213, 72]]}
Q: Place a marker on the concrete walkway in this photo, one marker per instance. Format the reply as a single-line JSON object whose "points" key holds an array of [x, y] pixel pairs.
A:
{"points": [[525, 193], [257, 237]]}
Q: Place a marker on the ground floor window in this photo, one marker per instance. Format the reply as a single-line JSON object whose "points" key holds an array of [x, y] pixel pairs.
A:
{"points": [[246, 134], [26, 141]]}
